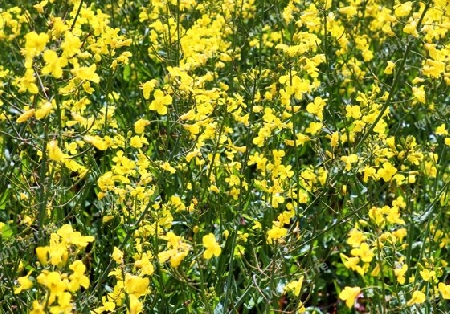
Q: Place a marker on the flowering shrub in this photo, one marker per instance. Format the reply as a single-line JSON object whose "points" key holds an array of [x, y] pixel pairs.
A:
{"points": [[224, 156]]}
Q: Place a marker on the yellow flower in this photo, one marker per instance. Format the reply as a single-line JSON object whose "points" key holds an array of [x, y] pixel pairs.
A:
{"points": [[349, 295], [54, 152], [403, 9], [387, 172], [27, 114], [314, 127], [211, 246], [136, 306], [135, 285], [417, 298], [364, 252], [24, 284], [276, 233], [400, 274], [117, 255], [389, 67], [44, 110], [427, 274], [356, 237], [37, 308], [148, 87], [295, 286], [440, 130], [160, 102], [139, 126], [353, 112], [444, 290], [349, 160], [86, 73], [53, 64], [35, 43], [78, 279]]}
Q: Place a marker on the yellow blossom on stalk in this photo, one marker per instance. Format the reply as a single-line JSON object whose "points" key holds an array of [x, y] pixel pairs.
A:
{"points": [[148, 87], [316, 107], [403, 9], [389, 68], [295, 286], [364, 252], [138, 141], [136, 285], [444, 290], [428, 275], [387, 172], [369, 172], [349, 295], [97, 141], [353, 112], [54, 152], [275, 233], [400, 234], [27, 114], [44, 110], [433, 68], [417, 298], [400, 273], [356, 237], [86, 73], [24, 284], [53, 64], [139, 126], [145, 264], [136, 306], [69, 236], [314, 127], [71, 44], [117, 255], [211, 246], [78, 279], [349, 160], [37, 308], [440, 130], [35, 43], [27, 83], [350, 11], [167, 167], [160, 103], [419, 93]]}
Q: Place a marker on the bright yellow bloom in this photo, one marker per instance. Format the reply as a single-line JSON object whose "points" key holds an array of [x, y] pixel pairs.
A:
{"points": [[444, 290], [35, 43], [54, 152], [349, 295], [349, 160], [364, 252], [136, 285], [427, 274], [387, 172], [86, 73], [295, 286], [211, 246], [356, 237], [403, 9], [417, 298], [139, 126], [275, 233], [160, 102], [24, 284], [25, 116], [400, 274]]}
